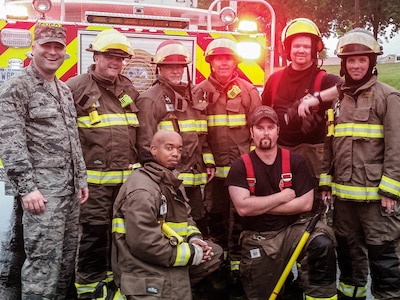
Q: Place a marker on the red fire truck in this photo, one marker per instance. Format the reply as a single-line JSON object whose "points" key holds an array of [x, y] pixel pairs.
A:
{"points": [[145, 23]]}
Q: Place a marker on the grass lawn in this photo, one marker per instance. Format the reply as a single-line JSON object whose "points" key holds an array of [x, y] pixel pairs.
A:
{"points": [[387, 73]]}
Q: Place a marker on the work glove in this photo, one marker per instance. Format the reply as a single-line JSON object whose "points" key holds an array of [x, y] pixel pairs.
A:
{"points": [[307, 124], [197, 255], [292, 118], [311, 122]]}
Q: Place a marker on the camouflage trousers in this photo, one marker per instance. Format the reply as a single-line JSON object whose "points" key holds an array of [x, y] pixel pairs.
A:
{"points": [[50, 243]]}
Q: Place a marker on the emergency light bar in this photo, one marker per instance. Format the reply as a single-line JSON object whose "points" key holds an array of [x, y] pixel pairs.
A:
{"points": [[136, 20], [16, 38]]}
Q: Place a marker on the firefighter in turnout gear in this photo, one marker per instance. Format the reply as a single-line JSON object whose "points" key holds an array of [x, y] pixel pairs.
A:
{"points": [[303, 45], [363, 174], [107, 123], [150, 210], [228, 102], [274, 207], [168, 105]]}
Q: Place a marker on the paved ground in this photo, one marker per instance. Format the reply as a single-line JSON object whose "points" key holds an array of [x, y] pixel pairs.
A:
{"points": [[11, 257]]}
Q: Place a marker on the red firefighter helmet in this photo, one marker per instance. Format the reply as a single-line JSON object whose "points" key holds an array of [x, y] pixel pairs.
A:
{"points": [[172, 52]]}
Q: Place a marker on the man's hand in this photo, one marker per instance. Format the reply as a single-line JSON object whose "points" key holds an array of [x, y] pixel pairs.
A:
{"points": [[83, 195], [34, 202], [207, 250], [210, 174], [307, 103], [390, 204], [288, 194]]}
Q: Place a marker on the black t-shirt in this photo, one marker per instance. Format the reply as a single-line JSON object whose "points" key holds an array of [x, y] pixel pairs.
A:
{"points": [[292, 86], [267, 183]]}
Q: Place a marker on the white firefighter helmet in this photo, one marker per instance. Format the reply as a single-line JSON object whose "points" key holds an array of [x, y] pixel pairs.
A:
{"points": [[172, 52], [221, 46], [358, 41], [112, 42]]}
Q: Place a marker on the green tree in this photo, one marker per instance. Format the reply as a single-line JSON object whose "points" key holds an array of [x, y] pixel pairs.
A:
{"points": [[379, 16], [331, 17]]}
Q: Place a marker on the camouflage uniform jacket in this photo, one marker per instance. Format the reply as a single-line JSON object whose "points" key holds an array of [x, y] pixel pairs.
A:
{"points": [[108, 145], [228, 108], [144, 262], [156, 107], [39, 141]]}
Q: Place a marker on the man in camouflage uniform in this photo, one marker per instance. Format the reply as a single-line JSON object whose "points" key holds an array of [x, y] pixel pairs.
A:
{"points": [[42, 156]]}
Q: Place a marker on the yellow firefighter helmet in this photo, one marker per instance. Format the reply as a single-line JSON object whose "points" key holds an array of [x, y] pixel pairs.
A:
{"points": [[172, 52], [302, 26], [112, 42], [358, 41], [221, 46]]}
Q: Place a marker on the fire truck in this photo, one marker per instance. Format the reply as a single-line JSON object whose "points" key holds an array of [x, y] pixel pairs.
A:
{"points": [[146, 23]]}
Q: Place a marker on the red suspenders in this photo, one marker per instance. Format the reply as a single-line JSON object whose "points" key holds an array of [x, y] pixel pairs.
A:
{"points": [[278, 76], [286, 176]]}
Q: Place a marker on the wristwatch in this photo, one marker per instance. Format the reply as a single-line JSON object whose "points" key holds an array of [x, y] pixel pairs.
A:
{"points": [[318, 96]]}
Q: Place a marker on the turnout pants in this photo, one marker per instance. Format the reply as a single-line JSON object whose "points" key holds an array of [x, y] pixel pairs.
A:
{"points": [[94, 252], [223, 220], [265, 255], [365, 234]]}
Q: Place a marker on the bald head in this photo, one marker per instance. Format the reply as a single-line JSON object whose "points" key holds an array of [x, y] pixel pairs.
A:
{"points": [[166, 148]]}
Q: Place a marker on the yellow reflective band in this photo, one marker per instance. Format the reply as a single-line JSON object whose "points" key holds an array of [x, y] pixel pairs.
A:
{"points": [[226, 120], [187, 125], [325, 180], [118, 295], [190, 179], [107, 177], [184, 126], [1, 163], [334, 297], [235, 265], [118, 225], [348, 290], [208, 159], [165, 125], [359, 130], [358, 193], [108, 120], [180, 228], [135, 166], [192, 230], [182, 255], [110, 276], [85, 288], [222, 172], [201, 126], [390, 185]]}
